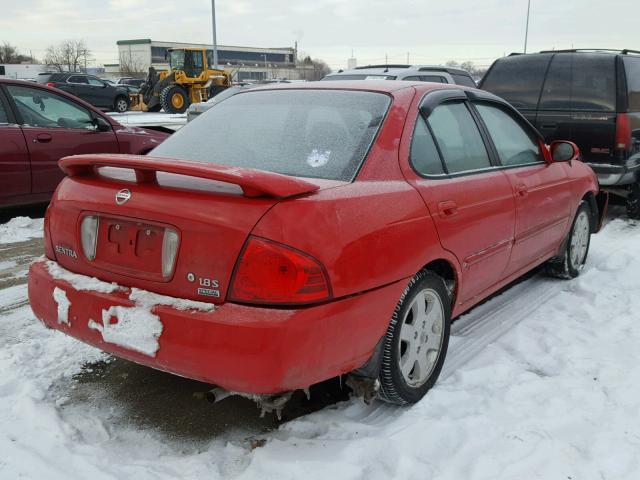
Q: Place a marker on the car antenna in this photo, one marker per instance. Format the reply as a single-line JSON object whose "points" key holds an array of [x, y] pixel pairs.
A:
{"points": [[386, 62]]}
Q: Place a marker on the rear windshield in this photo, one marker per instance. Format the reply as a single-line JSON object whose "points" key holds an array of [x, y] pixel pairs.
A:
{"points": [[306, 133], [370, 76], [632, 70], [517, 79], [580, 82]]}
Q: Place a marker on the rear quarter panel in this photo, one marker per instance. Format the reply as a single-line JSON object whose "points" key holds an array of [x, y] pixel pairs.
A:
{"points": [[367, 234]]}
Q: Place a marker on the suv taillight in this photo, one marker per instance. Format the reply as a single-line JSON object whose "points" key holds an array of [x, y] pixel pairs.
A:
{"points": [[271, 273], [50, 84], [623, 132]]}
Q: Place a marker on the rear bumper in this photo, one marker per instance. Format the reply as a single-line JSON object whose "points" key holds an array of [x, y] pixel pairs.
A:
{"points": [[617, 174], [240, 348]]}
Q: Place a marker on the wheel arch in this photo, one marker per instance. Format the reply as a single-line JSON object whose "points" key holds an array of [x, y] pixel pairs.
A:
{"points": [[448, 271], [598, 204]]}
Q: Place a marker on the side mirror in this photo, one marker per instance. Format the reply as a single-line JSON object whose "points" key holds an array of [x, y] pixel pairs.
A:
{"points": [[101, 124], [562, 151]]}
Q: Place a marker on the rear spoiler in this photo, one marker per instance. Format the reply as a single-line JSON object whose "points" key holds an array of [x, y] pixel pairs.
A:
{"points": [[254, 183]]}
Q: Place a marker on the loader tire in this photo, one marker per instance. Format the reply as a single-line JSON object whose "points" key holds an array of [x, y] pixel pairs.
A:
{"points": [[174, 99]]}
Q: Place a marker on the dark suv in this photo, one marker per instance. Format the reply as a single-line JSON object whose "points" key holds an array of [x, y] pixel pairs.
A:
{"points": [[591, 97], [90, 89]]}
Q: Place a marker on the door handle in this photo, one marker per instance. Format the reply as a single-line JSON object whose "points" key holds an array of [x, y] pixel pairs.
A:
{"points": [[549, 126], [522, 190], [43, 138], [448, 208]]}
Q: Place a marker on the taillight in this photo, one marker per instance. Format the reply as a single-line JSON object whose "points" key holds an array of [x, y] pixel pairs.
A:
{"points": [[169, 252], [272, 273], [623, 132], [89, 236], [48, 245], [50, 84]]}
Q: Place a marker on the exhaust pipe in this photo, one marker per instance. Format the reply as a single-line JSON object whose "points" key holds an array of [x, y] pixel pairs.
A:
{"points": [[217, 394]]}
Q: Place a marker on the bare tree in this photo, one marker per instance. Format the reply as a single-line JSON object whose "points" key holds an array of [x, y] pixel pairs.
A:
{"points": [[10, 54], [476, 72], [69, 56], [131, 67], [320, 68]]}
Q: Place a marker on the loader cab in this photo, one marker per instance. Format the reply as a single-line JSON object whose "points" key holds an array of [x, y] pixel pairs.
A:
{"points": [[191, 61]]}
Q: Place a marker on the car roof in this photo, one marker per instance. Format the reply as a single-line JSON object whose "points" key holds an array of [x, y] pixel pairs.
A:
{"points": [[398, 70], [381, 86]]}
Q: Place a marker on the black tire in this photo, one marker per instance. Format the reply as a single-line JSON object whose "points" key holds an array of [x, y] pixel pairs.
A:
{"points": [[566, 265], [174, 99], [121, 104], [633, 202], [215, 90], [394, 387]]}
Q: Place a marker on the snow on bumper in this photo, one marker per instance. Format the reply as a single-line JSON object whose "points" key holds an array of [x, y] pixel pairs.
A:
{"points": [[240, 348]]}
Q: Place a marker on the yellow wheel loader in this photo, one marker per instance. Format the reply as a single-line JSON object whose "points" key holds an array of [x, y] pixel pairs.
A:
{"points": [[188, 80]]}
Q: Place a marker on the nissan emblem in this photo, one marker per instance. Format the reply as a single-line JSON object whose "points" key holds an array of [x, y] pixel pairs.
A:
{"points": [[123, 196]]}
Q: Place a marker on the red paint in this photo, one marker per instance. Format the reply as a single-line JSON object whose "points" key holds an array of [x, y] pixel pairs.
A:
{"points": [[361, 242]]}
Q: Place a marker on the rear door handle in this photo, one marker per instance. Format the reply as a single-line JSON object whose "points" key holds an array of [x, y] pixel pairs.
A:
{"points": [[522, 190], [549, 126], [43, 138], [448, 208]]}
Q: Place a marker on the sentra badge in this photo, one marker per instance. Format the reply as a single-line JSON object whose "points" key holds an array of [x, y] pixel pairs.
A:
{"points": [[123, 196], [66, 251]]}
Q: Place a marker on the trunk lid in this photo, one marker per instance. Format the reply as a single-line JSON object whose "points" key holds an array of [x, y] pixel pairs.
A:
{"points": [[145, 206]]}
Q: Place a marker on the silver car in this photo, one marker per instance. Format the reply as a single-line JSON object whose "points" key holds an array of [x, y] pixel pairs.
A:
{"points": [[420, 73]]}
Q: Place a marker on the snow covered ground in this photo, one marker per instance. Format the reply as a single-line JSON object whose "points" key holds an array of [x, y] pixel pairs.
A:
{"points": [[542, 381], [19, 229]]}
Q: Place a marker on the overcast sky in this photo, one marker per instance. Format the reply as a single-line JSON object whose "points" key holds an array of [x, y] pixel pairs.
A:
{"points": [[430, 31]]}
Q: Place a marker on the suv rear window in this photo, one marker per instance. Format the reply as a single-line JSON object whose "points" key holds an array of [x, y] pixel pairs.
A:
{"points": [[632, 70], [518, 79], [305, 133], [580, 82]]}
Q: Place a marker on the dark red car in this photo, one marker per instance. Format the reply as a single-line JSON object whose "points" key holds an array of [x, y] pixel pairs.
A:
{"points": [[295, 233], [39, 125]]}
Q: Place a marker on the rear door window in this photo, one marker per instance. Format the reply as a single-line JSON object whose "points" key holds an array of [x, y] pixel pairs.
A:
{"points": [[458, 138], [580, 82], [78, 79], [464, 80], [95, 82], [424, 153], [518, 79], [515, 146], [4, 118], [632, 70]]}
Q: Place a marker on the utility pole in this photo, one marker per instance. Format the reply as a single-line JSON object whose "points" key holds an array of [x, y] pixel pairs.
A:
{"points": [[215, 40], [526, 32]]}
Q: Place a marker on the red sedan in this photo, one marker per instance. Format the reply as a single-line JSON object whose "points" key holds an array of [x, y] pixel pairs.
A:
{"points": [[299, 232], [39, 125]]}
